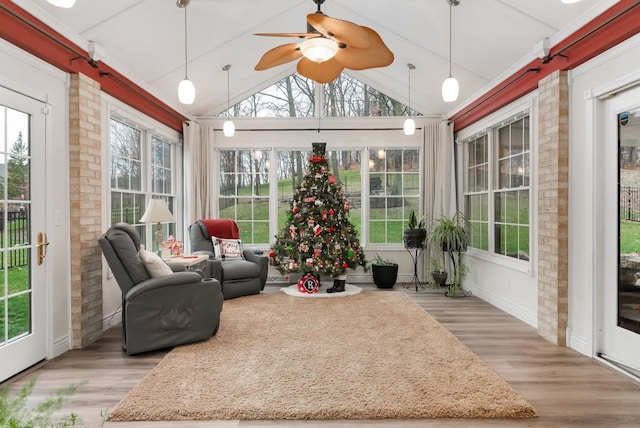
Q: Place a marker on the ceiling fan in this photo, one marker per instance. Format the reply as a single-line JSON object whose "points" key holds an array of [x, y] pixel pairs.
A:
{"points": [[329, 46]]}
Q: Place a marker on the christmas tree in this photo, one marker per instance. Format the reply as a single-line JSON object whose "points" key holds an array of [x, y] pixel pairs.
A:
{"points": [[318, 237]]}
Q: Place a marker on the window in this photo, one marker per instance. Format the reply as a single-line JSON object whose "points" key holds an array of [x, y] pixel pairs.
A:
{"points": [[295, 96], [394, 191], [244, 192], [512, 194], [142, 165], [505, 198], [477, 191], [393, 177]]}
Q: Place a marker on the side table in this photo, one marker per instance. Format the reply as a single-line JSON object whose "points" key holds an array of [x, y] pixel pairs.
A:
{"points": [[190, 261]]}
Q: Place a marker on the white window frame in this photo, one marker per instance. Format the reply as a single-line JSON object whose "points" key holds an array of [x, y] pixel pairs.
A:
{"points": [[526, 106], [115, 109], [357, 135]]}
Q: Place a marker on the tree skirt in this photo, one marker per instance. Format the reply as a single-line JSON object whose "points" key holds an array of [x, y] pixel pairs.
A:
{"points": [[349, 290]]}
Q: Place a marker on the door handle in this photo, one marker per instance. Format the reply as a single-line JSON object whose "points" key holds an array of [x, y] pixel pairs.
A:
{"points": [[42, 245]]}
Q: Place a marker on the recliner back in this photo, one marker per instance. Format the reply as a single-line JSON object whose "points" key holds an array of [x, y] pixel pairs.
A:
{"points": [[120, 246], [201, 232]]}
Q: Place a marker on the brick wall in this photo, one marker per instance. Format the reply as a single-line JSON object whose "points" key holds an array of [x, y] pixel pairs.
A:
{"points": [[86, 209], [553, 207]]}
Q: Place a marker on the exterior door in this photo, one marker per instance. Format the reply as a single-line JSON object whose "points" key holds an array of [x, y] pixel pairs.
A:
{"points": [[22, 213], [620, 321]]}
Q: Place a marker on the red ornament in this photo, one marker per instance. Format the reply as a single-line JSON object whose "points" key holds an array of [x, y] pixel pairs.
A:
{"points": [[272, 253], [317, 230], [295, 210], [331, 211], [345, 265], [332, 179]]}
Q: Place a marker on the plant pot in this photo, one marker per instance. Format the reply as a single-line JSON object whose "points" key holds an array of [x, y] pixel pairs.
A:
{"points": [[440, 277], [414, 238], [384, 276]]}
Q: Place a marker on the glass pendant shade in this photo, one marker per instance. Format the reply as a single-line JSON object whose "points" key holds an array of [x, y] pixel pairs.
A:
{"points": [[450, 89], [409, 126], [228, 128], [319, 49], [186, 91], [62, 3]]}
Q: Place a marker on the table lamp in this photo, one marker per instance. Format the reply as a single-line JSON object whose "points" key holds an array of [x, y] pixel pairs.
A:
{"points": [[157, 211]]}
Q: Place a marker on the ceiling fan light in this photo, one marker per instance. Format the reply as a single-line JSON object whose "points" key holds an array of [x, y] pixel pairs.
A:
{"points": [[62, 3], [186, 91], [450, 89], [409, 126], [319, 49], [228, 129]]}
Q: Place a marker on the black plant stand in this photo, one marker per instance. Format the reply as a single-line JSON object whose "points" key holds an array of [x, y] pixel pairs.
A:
{"points": [[415, 281]]}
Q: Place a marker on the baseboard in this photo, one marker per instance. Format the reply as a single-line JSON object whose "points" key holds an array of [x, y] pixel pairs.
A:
{"points": [[578, 343], [112, 319], [353, 278], [503, 304], [61, 345]]}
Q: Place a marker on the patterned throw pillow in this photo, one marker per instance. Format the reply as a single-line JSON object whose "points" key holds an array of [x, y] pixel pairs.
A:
{"points": [[227, 249]]}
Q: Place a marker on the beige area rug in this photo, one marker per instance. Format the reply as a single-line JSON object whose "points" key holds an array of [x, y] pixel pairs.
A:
{"points": [[372, 355]]}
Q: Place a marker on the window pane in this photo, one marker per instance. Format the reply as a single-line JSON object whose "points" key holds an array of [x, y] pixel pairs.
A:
{"points": [[504, 174]]}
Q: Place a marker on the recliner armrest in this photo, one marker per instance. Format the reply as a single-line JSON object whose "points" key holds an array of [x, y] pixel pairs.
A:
{"points": [[174, 280]]}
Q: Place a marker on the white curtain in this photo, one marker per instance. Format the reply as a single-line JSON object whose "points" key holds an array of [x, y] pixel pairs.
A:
{"points": [[198, 145], [438, 172]]}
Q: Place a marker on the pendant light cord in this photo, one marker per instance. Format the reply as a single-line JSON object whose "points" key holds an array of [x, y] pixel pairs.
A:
{"points": [[410, 67], [228, 98], [185, 42], [450, 35]]}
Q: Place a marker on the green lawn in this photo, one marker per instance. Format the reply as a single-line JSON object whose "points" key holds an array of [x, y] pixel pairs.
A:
{"points": [[18, 306], [629, 237]]}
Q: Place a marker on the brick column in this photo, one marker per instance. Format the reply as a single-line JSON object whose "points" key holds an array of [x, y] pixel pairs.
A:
{"points": [[553, 207], [85, 163]]}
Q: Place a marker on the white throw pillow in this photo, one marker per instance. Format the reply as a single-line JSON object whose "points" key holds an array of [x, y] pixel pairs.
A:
{"points": [[154, 264], [227, 249]]}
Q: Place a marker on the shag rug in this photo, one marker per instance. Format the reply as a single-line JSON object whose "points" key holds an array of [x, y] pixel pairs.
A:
{"points": [[373, 355]]}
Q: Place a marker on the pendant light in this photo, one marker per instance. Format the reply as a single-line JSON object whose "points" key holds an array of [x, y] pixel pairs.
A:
{"points": [[450, 87], [228, 128], [409, 123], [63, 3], [186, 89]]}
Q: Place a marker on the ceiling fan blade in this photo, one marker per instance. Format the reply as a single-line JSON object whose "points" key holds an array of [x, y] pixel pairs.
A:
{"points": [[279, 55], [376, 55], [299, 35], [341, 31], [323, 72]]}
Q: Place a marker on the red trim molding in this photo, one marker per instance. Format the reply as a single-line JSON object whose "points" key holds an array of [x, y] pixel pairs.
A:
{"points": [[32, 35], [612, 27]]}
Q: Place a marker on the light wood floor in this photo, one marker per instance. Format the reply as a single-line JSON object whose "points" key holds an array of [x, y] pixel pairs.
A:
{"points": [[566, 388]]}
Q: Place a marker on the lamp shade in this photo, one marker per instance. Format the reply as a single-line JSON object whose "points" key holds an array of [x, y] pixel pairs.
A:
{"points": [[409, 126], [157, 211], [450, 89], [319, 49], [186, 91], [228, 128], [62, 3]]}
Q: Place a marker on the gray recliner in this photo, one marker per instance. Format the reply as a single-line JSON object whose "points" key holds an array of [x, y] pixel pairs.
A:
{"points": [[164, 311], [238, 277]]}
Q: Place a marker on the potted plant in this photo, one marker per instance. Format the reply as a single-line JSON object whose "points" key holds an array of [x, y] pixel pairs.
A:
{"points": [[451, 234], [384, 271], [415, 235], [438, 272]]}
